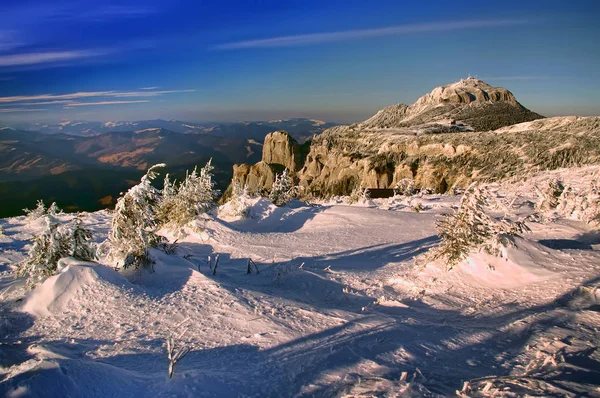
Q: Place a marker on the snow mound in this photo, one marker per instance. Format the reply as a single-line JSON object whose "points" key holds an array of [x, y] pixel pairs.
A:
{"points": [[52, 296], [520, 265]]}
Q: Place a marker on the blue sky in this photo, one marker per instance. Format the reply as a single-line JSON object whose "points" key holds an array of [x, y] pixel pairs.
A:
{"points": [[256, 60]]}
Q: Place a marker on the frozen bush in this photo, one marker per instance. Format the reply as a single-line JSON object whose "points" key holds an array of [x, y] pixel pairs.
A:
{"points": [[549, 194], [82, 244], [583, 204], [41, 210], [405, 187], [237, 206], [48, 247], [470, 228], [194, 196], [133, 226], [282, 191], [359, 195]]}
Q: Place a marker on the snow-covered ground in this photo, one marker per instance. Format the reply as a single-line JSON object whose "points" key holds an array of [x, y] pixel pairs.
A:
{"points": [[343, 305]]}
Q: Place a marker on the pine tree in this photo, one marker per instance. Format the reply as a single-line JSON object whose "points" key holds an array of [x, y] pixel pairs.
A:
{"points": [[470, 228], [405, 187], [50, 246], [82, 244], [237, 205], [40, 210], [36, 213], [133, 226], [196, 195], [282, 190]]}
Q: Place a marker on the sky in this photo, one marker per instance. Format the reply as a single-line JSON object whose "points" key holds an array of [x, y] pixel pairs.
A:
{"points": [[334, 60]]}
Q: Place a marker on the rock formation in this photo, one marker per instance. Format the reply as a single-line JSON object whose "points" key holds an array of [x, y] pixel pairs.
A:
{"points": [[403, 141]]}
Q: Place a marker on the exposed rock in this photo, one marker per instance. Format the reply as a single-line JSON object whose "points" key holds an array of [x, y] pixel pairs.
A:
{"points": [[281, 148], [403, 141]]}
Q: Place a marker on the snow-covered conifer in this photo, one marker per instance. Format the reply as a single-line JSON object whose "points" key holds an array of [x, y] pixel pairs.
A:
{"points": [[405, 187], [82, 244], [282, 190], [133, 226], [195, 196], [580, 204], [237, 206], [549, 194], [41, 210], [470, 228], [36, 213], [359, 195], [48, 247]]}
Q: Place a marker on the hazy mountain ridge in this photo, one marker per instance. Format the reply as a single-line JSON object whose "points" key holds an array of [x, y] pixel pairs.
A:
{"points": [[300, 127]]}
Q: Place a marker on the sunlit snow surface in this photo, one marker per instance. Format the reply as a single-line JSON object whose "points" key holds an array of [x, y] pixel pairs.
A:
{"points": [[344, 305]]}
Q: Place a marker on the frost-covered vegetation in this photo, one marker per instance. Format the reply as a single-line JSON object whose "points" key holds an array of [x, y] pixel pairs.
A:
{"points": [[57, 240], [41, 210], [133, 228], [238, 204], [282, 191], [470, 228], [179, 205]]}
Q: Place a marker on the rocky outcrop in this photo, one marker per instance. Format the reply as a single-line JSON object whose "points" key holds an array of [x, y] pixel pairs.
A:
{"points": [[280, 152], [403, 141], [280, 148]]}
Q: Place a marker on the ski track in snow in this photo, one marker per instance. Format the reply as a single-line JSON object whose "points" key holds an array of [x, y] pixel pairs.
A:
{"points": [[343, 305]]}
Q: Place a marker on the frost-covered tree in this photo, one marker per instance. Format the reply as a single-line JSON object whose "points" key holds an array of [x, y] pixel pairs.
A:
{"points": [[166, 202], [405, 187], [359, 195], [549, 194], [82, 243], [41, 210], [282, 191], [237, 206], [580, 204], [48, 247], [133, 227], [470, 228], [194, 196]]}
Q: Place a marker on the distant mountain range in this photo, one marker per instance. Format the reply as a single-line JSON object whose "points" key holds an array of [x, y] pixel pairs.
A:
{"points": [[71, 154], [302, 129]]}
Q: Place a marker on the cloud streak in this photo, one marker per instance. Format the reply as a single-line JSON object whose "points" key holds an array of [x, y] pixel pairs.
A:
{"points": [[86, 94], [74, 104], [329, 37], [10, 110], [47, 57]]}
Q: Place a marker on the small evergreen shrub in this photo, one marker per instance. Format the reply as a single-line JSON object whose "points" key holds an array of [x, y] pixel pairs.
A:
{"points": [[48, 247], [470, 228], [133, 227], [282, 191], [237, 206], [195, 195], [549, 194], [405, 187]]}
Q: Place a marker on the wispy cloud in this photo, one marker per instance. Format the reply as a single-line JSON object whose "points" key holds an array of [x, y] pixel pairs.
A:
{"points": [[148, 88], [73, 104], [47, 57], [328, 37], [88, 94], [10, 110]]}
